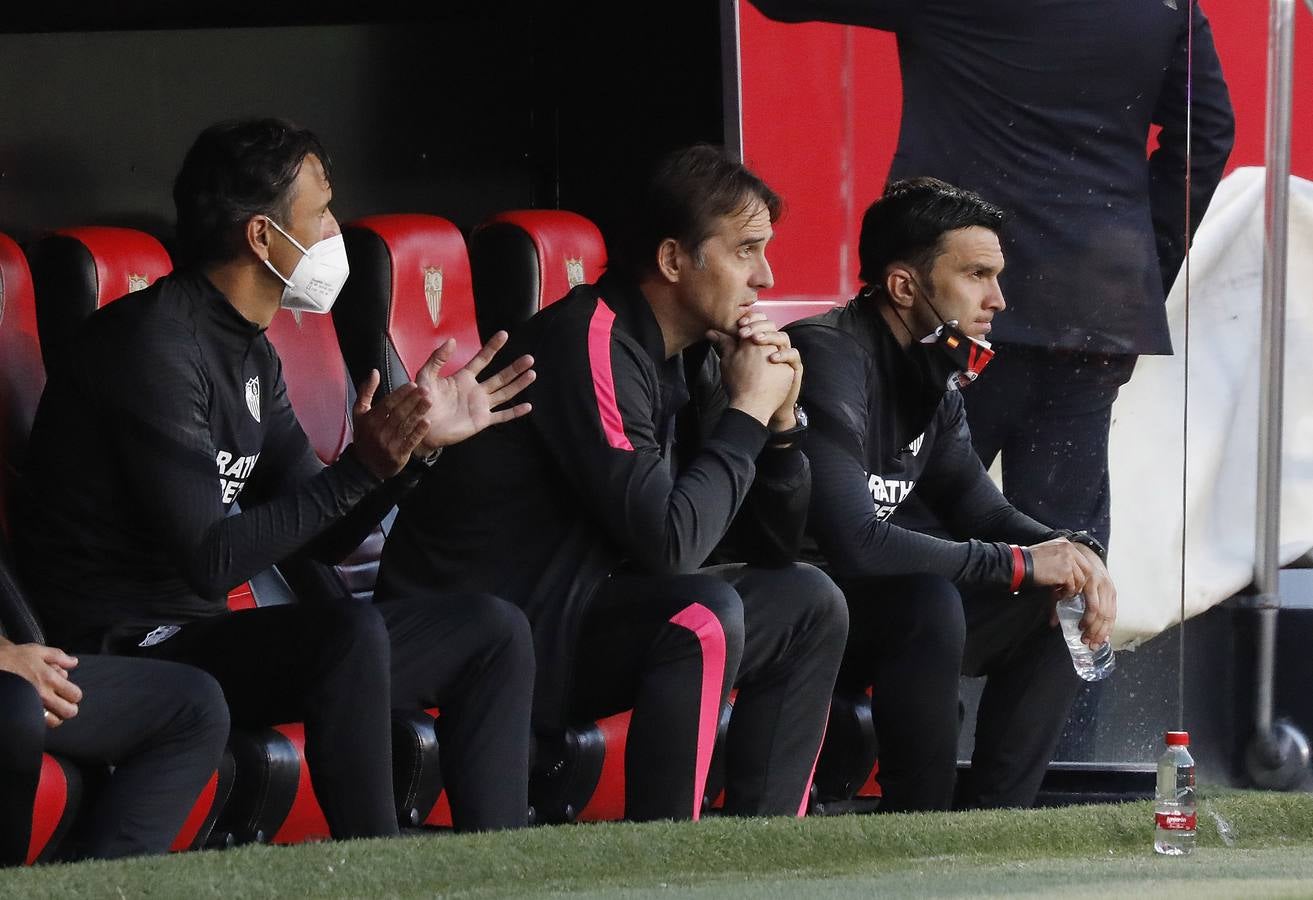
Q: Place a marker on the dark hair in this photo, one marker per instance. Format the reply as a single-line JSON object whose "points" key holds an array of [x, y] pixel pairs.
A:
{"points": [[909, 222], [233, 171], [687, 192]]}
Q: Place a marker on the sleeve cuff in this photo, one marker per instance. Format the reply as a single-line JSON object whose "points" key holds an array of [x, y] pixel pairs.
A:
{"points": [[1023, 568], [782, 463], [739, 429], [353, 471]]}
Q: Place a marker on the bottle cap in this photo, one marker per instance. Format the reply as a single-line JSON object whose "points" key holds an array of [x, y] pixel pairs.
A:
{"points": [[1178, 738]]}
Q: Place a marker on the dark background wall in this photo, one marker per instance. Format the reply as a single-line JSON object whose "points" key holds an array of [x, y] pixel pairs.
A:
{"points": [[464, 110]]}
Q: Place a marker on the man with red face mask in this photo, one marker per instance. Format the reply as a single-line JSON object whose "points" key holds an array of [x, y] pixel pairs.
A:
{"points": [[882, 391]]}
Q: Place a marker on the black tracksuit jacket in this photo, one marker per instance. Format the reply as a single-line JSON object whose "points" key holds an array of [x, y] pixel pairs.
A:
{"points": [[166, 408], [628, 461], [876, 434]]}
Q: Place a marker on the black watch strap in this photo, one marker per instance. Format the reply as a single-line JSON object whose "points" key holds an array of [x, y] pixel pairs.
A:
{"points": [[1089, 540], [790, 435]]}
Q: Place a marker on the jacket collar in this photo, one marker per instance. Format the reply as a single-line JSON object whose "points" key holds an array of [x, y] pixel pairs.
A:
{"points": [[634, 315], [211, 303]]}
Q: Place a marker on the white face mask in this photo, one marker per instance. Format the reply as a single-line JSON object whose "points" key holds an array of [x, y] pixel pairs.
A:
{"points": [[317, 278]]}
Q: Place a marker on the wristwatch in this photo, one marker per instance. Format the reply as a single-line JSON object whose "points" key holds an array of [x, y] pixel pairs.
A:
{"points": [[790, 435], [1089, 540]]}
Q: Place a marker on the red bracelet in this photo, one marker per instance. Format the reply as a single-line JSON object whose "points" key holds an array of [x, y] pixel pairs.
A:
{"points": [[1018, 568]]}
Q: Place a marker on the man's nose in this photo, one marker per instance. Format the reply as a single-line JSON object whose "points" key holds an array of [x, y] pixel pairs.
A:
{"points": [[331, 228], [996, 301], [763, 277]]}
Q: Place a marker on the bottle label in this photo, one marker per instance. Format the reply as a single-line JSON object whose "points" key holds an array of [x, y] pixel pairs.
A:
{"points": [[1176, 821]]}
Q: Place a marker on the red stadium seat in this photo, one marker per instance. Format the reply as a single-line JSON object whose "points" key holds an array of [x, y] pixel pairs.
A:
{"points": [[196, 831], [22, 376], [782, 312], [408, 292], [58, 796], [316, 378], [416, 777], [527, 259], [76, 271], [848, 764], [322, 397], [582, 779]]}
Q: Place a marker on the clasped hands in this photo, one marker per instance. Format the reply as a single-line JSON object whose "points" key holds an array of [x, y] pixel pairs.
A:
{"points": [[761, 370]]}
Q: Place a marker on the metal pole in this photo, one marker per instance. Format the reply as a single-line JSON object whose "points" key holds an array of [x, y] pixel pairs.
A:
{"points": [[1276, 196]]}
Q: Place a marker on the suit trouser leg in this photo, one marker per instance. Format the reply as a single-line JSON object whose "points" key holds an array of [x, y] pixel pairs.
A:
{"points": [[472, 656], [1048, 413], [795, 625], [324, 664]]}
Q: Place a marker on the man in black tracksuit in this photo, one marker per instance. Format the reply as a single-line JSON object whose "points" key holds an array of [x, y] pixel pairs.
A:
{"points": [[170, 406], [644, 444], [887, 419], [1045, 108]]}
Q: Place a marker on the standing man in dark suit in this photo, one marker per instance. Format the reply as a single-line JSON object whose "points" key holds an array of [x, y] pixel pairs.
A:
{"points": [[1044, 109]]}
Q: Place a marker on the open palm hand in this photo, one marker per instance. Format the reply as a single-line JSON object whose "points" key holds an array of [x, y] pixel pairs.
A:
{"points": [[460, 404]]}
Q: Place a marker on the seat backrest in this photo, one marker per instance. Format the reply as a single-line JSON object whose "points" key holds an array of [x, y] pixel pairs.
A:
{"points": [[316, 378], [782, 312], [526, 259], [76, 271], [409, 291], [22, 376], [322, 398]]}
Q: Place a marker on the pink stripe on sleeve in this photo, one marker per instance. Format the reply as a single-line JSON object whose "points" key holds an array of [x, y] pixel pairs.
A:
{"points": [[711, 637], [599, 360]]}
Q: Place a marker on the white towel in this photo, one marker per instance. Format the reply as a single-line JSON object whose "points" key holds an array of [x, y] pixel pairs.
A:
{"points": [[1222, 481]]}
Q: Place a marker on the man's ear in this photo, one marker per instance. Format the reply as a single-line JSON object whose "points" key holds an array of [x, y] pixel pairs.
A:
{"points": [[900, 285], [258, 234], [668, 260]]}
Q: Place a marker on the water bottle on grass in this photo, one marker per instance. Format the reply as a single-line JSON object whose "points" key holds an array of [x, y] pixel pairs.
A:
{"points": [[1090, 664], [1174, 806]]}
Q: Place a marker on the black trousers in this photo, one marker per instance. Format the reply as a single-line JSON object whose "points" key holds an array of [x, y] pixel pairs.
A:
{"points": [[1048, 413], [671, 647], [341, 666], [912, 637], [161, 726]]}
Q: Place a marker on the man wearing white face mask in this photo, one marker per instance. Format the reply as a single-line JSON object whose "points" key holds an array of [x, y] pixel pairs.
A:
{"points": [[884, 376], [318, 278], [170, 405]]}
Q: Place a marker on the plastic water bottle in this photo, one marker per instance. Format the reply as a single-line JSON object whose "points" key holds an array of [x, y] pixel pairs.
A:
{"points": [[1091, 665], [1174, 807]]}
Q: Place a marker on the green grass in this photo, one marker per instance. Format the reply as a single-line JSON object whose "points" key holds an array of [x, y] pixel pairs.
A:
{"points": [[1074, 851]]}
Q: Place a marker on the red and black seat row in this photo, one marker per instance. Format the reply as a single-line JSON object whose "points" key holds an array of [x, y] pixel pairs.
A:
{"points": [[413, 284]]}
